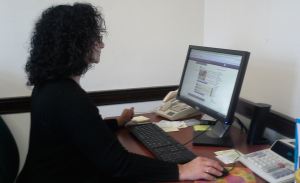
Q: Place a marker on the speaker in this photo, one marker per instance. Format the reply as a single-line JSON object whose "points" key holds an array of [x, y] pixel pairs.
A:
{"points": [[258, 124]]}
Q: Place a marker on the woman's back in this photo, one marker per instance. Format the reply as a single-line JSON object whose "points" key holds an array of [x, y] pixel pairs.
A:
{"points": [[52, 156]]}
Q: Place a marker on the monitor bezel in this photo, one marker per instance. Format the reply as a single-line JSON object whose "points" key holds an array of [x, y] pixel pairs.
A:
{"points": [[237, 87]]}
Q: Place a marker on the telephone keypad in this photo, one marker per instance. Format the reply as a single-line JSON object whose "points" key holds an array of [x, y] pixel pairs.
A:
{"points": [[170, 113], [180, 107]]}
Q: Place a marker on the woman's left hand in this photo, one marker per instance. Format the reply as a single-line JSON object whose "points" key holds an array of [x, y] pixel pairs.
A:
{"points": [[125, 117]]}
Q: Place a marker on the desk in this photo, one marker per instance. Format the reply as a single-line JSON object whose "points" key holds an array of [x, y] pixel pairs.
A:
{"points": [[186, 134]]}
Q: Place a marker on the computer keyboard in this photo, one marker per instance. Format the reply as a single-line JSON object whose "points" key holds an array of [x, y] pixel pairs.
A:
{"points": [[274, 165], [161, 144]]}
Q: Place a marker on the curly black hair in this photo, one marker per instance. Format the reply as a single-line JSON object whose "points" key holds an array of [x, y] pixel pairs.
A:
{"points": [[62, 39]]}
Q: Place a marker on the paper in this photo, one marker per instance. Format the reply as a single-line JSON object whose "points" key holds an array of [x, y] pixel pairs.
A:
{"points": [[184, 126], [192, 122], [177, 124], [202, 127], [207, 118], [140, 119], [170, 129], [228, 155], [225, 159]]}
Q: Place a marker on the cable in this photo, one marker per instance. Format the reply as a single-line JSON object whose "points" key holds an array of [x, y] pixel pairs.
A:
{"points": [[201, 134], [198, 135], [241, 124], [234, 162]]}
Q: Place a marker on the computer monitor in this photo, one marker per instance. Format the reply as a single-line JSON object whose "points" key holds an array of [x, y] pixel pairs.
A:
{"points": [[211, 83]]}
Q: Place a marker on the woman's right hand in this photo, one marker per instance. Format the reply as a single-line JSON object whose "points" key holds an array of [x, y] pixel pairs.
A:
{"points": [[197, 168], [125, 117]]}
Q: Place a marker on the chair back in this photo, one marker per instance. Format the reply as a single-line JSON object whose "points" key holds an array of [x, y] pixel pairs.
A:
{"points": [[9, 155]]}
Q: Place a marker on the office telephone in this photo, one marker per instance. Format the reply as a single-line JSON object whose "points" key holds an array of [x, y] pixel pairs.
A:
{"points": [[173, 109]]}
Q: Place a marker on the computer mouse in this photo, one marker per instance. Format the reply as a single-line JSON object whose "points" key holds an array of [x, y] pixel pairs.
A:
{"points": [[224, 172]]}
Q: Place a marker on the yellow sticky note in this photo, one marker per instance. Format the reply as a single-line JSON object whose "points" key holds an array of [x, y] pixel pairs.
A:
{"points": [[140, 119], [201, 127], [170, 129]]}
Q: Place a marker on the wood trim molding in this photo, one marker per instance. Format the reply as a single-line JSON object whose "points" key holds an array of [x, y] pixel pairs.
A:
{"points": [[14, 105], [130, 95], [281, 123], [22, 104], [276, 120]]}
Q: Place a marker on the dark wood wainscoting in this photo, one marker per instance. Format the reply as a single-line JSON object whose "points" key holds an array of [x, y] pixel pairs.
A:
{"points": [[283, 124], [22, 104]]}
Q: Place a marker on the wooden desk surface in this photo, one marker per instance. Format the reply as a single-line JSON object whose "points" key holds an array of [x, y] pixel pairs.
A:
{"points": [[186, 134]]}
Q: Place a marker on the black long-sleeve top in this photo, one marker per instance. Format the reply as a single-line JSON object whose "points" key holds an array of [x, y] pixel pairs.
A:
{"points": [[70, 142]]}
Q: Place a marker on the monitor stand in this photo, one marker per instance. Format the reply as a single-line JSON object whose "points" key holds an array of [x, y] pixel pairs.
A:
{"points": [[219, 136]]}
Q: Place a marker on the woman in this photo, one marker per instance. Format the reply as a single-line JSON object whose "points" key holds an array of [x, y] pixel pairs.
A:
{"points": [[69, 141]]}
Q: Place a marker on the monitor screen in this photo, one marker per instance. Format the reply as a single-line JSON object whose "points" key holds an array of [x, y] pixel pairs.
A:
{"points": [[212, 79]]}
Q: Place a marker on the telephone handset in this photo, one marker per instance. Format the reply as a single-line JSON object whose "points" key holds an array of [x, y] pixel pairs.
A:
{"points": [[169, 98], [173, 109]]}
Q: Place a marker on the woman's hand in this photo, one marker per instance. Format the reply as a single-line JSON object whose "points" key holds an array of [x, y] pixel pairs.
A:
{"points": [[197, 168], [125, 117]]}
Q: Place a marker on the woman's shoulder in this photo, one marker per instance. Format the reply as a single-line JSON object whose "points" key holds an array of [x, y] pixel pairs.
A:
{"points": [[60, 86], [66, 84], [61, 83]]}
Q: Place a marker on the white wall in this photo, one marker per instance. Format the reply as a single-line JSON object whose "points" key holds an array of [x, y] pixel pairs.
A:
{"points": [[146, 45], [269, 29], [144, 38], [19, 125]]}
